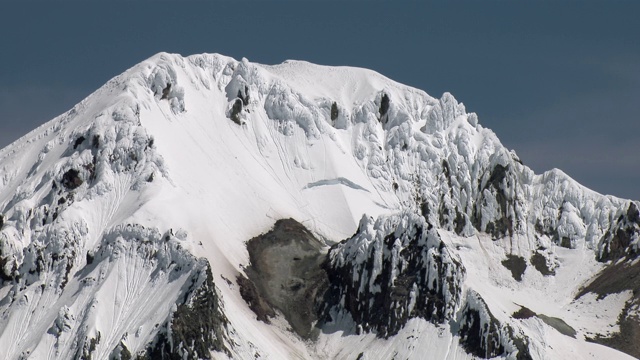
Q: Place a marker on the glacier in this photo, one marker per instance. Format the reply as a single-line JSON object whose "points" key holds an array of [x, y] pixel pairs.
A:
{"points": [[125, 224]]}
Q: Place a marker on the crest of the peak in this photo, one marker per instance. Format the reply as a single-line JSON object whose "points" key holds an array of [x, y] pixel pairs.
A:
{"points": [[345, 88], [344, 84]]}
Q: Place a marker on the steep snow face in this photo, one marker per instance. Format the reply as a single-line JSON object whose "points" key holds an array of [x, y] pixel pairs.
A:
{"points": [[80, 277], [123, 220]]}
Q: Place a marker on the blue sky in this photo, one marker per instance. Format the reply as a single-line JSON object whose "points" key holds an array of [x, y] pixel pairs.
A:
{"points": [[559, 82]]}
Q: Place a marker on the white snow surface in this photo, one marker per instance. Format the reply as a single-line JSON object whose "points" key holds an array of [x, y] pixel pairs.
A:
{"points": [[162, 161]]}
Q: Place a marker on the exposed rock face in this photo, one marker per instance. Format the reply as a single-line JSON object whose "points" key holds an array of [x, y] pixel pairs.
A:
{"points": [[483, 336], [616, 277], [498, 189], [621, 239], [71, 179], [392, 270], [619, 245], [516, 264], [286, 274], [397, 268], [235, 112], [121, 352], [539, 262], [334, 111], [257, 303], [384, 108], [198, 326], [626, 340]]}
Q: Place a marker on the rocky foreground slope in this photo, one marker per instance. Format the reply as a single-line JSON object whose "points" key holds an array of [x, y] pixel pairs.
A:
{"points": [[204, 207]]}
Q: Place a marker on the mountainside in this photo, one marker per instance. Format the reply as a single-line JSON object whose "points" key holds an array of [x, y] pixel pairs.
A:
{"points": [[203, 207]]}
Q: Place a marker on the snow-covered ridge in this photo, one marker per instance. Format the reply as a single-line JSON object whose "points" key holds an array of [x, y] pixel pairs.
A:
{"points": [[170, 167]]}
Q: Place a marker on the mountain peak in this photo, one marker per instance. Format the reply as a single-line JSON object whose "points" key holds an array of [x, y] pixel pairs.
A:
{"points": [[131, 214]]}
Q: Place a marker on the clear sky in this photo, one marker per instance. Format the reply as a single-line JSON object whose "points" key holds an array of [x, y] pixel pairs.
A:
{"points": [[558, 81]]}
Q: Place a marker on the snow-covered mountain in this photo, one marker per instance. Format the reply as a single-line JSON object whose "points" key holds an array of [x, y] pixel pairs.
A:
{"points": [[203, 207]]}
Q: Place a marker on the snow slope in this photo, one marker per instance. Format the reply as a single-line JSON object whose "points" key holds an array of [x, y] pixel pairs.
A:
{"points": [[125, 219]]}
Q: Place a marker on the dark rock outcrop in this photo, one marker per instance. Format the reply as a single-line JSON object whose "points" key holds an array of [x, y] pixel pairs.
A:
{"points": [[258, 304], [398, 268], [621, 239], [196, 328], [482, 335], [539, 262], [71, 179], [499, 185], [286, 274], [121, 352], [244, 96], [615, 278], [391, 271], [166, 91], [384, 107], [78, 142], [236, 109], [334, 111], [516, 264]]}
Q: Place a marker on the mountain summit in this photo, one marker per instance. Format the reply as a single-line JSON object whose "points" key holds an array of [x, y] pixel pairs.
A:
{"points": [[204, 207]]}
